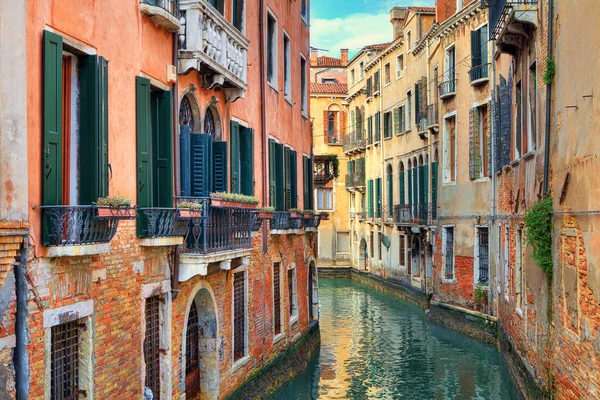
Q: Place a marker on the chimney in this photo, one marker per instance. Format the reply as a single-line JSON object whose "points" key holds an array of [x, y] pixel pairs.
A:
{"points": [[397, 18], [313, 57], [344, 56]]}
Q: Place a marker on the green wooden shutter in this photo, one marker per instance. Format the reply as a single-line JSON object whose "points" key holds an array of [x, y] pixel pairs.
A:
{"points": [[378, 198], [483, 47], [103, 128], [235, 157], [390, 195], [311, 189], [219, 167], [272, 173], [305, 185], [162, 161], [294, 181], [475, 161], [401, 190], [144, 143], [377, 126], [422, 184], [415, 199], [201, 159], [397, 120], [410, 186], [434, 183], [279, 178], [370, 191], [426, 184], [287, 180], [475, 49], [89, 122], [247, 161]]}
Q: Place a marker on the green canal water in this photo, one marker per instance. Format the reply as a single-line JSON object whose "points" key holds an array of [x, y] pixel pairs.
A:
{"points": [[375, 346]]}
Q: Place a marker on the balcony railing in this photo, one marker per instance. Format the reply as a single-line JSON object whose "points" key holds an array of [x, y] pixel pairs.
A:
{"points": [[353, 143], [324, 170], [163, 13], [447, 89], [432, 115], [422, 126], [214, 47], [161, 222], [479, 73], [333, 139], [414, 214], [499, 11], [355, 180], [218, 229], [76, 225], [313, 222], [281, 221]]}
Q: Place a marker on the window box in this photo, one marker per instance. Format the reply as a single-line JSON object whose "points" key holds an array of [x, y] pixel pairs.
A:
{"points": [[187, 213], [119, 213], [232, 200], [265, 215], [296, 215]]}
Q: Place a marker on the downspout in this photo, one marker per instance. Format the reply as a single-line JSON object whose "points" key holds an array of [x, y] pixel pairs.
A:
{"points": [[548, 98], [20, 358], [263, 120], [493, 174], [382, 166], [175, 122], [431, 154]]}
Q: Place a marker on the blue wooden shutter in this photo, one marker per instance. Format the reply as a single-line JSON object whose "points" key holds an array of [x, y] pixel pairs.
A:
{"points": [[162, 161], [235, 157], [201, 155], [247, 160], [294, 174], [219, 167], [185, 160]]}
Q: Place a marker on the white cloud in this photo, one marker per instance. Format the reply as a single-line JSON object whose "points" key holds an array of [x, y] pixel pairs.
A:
{"points": [[352, 32]]}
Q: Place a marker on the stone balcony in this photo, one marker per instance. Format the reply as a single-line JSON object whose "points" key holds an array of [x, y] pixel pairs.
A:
{"points": [[212, 46]]}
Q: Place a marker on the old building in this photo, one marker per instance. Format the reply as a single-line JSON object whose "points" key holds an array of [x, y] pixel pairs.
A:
{"points": [[329, 115], [159, 104]]}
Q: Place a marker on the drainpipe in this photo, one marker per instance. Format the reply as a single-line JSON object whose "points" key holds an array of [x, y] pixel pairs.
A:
{"points": [[263, 121], [431, 154], [493, 174], [548, 98], [20, 358], [382, 167], [175, 122]]}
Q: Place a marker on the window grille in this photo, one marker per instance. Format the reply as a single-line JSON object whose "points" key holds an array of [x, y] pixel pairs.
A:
{"points": [[65, 361], [239, 318], [449, 273], [152, 345], [484, 256], [277, 298], [192, 373]]}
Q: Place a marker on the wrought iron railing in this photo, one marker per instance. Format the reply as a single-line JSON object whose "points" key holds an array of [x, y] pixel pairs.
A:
{"points": [[479, 72], [161, 222], [217, 229], [432, 115], [420, 214], [297, 222], [351, 142], [256, 222], [447, 88], [312, 222], [281, 220], [171, 6], [499, 11], [76, 225]]}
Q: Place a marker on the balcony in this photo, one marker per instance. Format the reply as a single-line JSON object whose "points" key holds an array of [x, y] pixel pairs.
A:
{"points": [[78, 230], [333, 139], [507, 21], [162, 226], [433, 117], [162, 12], [447, 89], [213, 47], [353, 144], [479, 74], [325, 169], [414, 214], [422, 128], [212, 242]]}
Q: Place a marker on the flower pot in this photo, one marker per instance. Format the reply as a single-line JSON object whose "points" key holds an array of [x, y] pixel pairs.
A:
{"points": [[265, 215], [186, 213], [222, 203], [324, 217], [294, 215], [125, 212]]}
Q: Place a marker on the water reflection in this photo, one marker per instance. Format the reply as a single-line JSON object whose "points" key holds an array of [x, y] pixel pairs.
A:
{"points": [[375, 346]]}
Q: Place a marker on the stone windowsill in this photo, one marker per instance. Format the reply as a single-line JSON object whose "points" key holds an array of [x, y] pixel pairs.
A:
{"points": [[158, 242], [78, 251], [279, 337], [240, 363], [294, 320]]}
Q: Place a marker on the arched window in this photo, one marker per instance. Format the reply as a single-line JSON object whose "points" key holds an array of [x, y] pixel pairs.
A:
{"points": [[209, 123], [401, 185], [192, 354], [186, 114]]}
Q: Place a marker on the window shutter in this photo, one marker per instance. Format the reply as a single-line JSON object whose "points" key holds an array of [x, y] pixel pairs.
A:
{"points": [[247, 160], [370, 131], [488, 134], [52, 120], [287, 177], [103, 129], [397, 120], [325, 126], [401, 190], [310, 183], [305, 185], [370, 190], [472, 143], [475, 49], [422, 184], [89, 117], [377, 127], [390, 194], [219, 167], [415, 199], [410, 187], [434, 185], [294, 181], [185, 160], [425, 184], [201, 155], [279, 181], [235, 157], [272, 174], [483, 48], [417, 103], [162, 150], [144, 143], [378, 197]]}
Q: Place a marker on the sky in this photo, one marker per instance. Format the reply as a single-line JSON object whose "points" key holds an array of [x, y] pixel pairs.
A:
{"points": [[352, 24]]}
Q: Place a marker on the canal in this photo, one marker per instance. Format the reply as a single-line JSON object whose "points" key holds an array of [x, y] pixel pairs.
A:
{"points": [[375, 346]]}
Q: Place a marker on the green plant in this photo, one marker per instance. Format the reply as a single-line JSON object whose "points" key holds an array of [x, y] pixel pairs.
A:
{"points": [[480, 294], [113, 201], [295, 210], [550, 71], [239, 198], [192, 205], [308, 212], [335, 163], [267, 209], [538, 232]]}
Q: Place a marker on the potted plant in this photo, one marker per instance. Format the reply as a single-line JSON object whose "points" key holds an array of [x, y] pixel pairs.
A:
{"points": [[115, 207], [296, 213], [324, 216], [308, 214], [233, 200], [189, 209], [266, 212]]}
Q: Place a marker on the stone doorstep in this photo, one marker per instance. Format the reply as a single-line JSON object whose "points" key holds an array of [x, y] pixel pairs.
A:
{"points": [[164, 241], [197, 264], [77, 251]]}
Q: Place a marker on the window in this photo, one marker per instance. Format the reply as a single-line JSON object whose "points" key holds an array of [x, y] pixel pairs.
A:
{"points": [[370, 193], [448, 252], [400, 66], [380, 245], [325, 199], [479, 54], [377, 126], [506, 260], [449, 157], [519, 125], [369, 87], [218, 5], [532, 130], [271, 49], [450, 73], [328, 81], [372, 243], [459, 5], [390, 192], [408, 108], [378, 200], [304, 10], [290, 173], [65, 361], [408, 40], [377, 81], [387, 125], [402, 253], [287, 80], [401, 117], [479, 149], [387, 73], [519, 270], [308, 182], [192, 353], [303, 86], [241, 146], [482, 256], [343, 242], [237, 18], [331, 122], [352, 78], [277, 298], [292, 294], [152, 348], [361, 70], [239, 315]]}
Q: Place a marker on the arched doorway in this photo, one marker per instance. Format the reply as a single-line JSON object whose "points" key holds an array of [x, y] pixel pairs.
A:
{"points": [[313, 292], [201, 348], [362, 255], [416, 257]]}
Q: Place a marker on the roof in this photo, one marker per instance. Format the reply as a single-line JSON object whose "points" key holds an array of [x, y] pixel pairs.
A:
{"points": [[422, 9], [376, 47], [325, 61], [328, 88]]}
